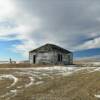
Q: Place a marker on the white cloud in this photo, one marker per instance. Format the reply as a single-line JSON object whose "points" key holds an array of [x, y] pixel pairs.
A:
{"points": [[95, 43], [25, 47], [66, 23], [6, 8], [14, 21]]}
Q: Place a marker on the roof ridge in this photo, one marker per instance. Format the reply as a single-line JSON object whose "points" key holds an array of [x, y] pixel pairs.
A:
{"points": [[50, 47]]}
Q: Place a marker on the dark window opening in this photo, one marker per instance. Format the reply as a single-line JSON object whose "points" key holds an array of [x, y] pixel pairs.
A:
{"points": [[34, 59], [59, 58]]}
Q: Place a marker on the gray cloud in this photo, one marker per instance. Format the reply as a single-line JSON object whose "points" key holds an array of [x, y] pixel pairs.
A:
{"points": [[69, 23]]}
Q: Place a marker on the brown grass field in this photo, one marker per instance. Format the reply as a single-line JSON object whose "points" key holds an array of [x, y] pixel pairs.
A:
{"points": [[69, 83], [22, 65]]}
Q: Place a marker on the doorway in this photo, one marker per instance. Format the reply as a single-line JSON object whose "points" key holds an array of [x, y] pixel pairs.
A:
{"points": [[34, 59]]}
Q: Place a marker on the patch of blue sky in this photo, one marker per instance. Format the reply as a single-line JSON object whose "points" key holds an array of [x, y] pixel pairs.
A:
{"points": [[5, 51], [87, 53]]}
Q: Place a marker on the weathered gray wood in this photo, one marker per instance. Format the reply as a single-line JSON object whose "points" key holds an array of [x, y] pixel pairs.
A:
{"points": [[51, 58], [48, 54]]}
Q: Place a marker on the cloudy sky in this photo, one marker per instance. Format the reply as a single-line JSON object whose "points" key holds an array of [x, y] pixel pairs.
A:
{"points": [[27, 24]]}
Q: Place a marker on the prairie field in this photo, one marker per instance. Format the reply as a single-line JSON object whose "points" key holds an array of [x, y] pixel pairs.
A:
{"points": [[72, 82]]}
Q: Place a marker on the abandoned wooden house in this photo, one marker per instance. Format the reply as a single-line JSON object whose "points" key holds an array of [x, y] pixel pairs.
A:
{"points": [[50, 54]]}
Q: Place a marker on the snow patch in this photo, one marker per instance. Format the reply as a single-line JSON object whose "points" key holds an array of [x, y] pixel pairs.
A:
{"points": [[56, 68], [38, 83], [11, 77], [13, 91], [92, 69], [97, 96], [94, 63], [9, 94], [31, 82]]}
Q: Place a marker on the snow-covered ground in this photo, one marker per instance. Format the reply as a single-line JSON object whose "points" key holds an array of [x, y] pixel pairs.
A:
{"points": [[39, 73], [22, 78]]}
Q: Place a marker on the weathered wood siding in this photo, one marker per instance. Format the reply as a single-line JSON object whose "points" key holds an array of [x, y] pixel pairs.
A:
{"points": [[42, 58], [51, 58], [66, 58]]}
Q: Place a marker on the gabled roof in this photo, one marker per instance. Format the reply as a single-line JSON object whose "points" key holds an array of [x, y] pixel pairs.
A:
{"points": [[50, 47]]}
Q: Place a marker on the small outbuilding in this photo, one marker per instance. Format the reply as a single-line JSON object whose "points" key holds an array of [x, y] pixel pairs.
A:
{"points": [[51, 54]]}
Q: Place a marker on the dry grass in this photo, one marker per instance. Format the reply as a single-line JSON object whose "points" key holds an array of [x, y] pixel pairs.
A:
{"points": [[75, 87], [78, 86], [14, 65], [21, 65]]}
